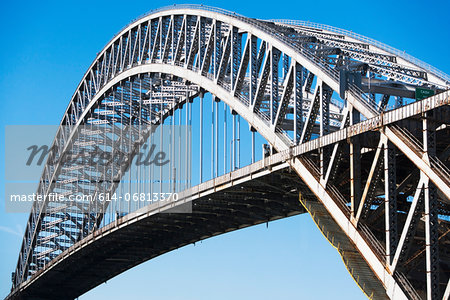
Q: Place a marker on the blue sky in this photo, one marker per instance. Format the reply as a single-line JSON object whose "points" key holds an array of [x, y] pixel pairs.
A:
{"points": [[48, 45]]}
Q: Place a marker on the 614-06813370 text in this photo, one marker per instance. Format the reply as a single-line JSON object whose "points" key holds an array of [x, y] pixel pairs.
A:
{"points": [[142, 197], [101, 197]]}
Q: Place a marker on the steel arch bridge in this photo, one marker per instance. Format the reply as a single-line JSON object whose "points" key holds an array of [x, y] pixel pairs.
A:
{"points": [[348, 139]]}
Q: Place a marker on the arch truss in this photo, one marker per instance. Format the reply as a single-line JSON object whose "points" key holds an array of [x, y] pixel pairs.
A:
{"points": [[370, 157]]}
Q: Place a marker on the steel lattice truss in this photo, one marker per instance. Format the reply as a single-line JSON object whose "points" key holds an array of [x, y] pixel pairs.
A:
{"points": [[377, 178]]}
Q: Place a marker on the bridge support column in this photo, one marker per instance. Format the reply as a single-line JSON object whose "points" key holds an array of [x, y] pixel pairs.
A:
{"points": [[431, 214], [390, 201], [325, 96], [298, 103], [355, 165]]}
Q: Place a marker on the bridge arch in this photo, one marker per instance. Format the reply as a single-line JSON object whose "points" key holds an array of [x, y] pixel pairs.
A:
{"points": [[263, 71]]}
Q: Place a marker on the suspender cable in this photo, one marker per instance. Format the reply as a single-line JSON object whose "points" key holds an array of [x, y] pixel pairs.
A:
{"points": [[201, 137], [217, 137]]}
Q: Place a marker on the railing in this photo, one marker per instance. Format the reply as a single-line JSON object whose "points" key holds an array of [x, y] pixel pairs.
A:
{"points": [[435, 163], [370, 41], [439, 166], [374, 244], [333, 29], [411, 139], [406, 285], [357, 91], [334, 74], [182, 6]]}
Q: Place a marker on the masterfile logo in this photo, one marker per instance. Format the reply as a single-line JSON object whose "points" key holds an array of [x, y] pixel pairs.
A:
{"points": [[95, 164]]}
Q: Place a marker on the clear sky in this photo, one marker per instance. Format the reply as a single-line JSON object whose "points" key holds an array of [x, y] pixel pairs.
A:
{"points": [[47, 46]]}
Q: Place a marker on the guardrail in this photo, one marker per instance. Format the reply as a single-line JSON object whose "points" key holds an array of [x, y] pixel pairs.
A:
{"points": [[435, 162], [259, 24], [370, 41], [333, 29]]}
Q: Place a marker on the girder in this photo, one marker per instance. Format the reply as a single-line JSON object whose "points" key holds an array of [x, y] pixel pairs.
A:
{"points": [[264, 72]]}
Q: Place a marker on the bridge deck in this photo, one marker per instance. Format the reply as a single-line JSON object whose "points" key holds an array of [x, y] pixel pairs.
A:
{"points": [[230, 202]]}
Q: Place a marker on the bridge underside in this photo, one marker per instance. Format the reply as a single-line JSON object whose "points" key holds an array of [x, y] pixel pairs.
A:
{"points": [[239, 206]]}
